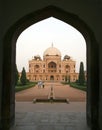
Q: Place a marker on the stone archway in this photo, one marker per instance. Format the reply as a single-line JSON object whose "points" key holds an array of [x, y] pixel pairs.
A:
{"points": [[52, 67], [8, 101], [51, 78]]}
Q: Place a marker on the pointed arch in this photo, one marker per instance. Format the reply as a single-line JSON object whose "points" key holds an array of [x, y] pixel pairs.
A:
{"points": [[8, 100]]}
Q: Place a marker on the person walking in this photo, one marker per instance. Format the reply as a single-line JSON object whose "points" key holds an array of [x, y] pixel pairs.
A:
{"points": [[39, 84], [43, 84]]}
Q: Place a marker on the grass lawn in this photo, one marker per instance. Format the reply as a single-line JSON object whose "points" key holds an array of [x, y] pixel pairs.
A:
{"points": [[76, 85], [23, 87]]}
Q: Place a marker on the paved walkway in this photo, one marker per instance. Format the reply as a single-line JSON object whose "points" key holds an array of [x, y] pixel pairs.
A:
{"points": [[48, 116], [60, 91], [51, 116]]}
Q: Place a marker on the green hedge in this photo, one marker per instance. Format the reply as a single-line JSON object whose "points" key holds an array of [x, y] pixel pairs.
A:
{"points": [[76, 85], [23, 87], [65, 83]]}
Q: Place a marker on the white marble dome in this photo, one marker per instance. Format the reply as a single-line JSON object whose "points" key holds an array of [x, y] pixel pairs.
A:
{"points": [[52, 51]]}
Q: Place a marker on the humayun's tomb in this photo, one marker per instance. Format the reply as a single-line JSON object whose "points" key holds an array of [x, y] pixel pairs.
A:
{"points": [[52, 67]]}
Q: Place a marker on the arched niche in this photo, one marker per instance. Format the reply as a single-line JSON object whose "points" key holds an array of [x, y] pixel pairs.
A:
{"points": [[52, 65]]}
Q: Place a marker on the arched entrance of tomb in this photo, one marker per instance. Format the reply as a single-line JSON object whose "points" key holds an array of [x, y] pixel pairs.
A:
{"points": [[51, 78], [8, 100], [52, 67]]}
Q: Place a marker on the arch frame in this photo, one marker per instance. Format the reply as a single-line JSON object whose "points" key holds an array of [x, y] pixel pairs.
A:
{"points": [[9, 51], [51, 78], [52, 63]]}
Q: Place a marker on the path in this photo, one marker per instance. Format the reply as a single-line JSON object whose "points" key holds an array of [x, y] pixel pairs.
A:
{"points": [[51, 116], [60, 91]]}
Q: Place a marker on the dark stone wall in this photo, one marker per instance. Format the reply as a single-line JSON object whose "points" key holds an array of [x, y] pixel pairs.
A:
{"points": [[100, 90], [87, 10], [0, 80]]}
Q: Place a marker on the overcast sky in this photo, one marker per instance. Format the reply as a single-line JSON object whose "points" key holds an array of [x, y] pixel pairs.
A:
{"points": [[38, 37]]}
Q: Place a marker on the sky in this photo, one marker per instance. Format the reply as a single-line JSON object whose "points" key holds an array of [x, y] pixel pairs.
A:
{"points": [[40, 36]]}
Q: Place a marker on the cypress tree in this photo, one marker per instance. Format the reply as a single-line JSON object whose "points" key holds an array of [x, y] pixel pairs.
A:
{"points": [[66, 78], [16, 75], [81, 79], [23, 78]]}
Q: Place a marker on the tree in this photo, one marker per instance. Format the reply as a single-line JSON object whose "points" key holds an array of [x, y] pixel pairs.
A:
{"points": [[81, 79], [69, 78], [16, 75], [66, 78], [23, 78]]}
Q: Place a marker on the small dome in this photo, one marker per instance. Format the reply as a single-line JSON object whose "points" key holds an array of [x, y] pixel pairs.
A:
{"points": [[52, 51], [66, 57], [37, 57]]}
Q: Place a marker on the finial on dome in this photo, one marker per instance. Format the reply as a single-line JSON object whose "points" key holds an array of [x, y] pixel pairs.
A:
{"points": [[52, 44]]}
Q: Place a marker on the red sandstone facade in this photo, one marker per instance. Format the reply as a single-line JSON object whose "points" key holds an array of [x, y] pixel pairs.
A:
{"points": [[52, 68]]}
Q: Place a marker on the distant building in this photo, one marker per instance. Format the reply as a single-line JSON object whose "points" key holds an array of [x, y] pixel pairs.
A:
{"points": [[51, 67]]}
